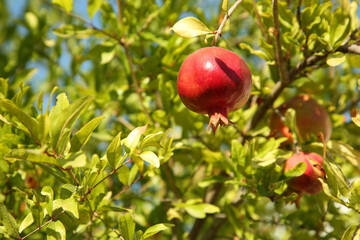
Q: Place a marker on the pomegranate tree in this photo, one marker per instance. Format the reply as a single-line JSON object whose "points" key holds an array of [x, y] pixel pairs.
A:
{"points": [[308, 182], [311, 118], [214, 81]]}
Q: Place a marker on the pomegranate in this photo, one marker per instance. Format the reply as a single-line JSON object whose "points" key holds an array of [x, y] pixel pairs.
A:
{"points": [[214, 81], [311, 118], [308, 182]]}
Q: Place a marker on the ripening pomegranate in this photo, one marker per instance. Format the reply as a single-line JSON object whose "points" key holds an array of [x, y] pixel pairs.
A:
{"points": [[311, 118], [214, 81], [308, 182]]}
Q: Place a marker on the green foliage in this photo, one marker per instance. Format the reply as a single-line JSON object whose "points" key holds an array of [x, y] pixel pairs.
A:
{"points": [[112, 153]]}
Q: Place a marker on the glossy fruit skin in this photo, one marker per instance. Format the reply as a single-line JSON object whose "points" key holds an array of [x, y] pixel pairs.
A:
{"points": [[308, 182], [214, 81], [311, 118]]}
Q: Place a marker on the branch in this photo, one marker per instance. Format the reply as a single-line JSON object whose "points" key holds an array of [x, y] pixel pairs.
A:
{"points": [[97, 184], [280, 60], [352, 48], [136, 83], [226, 17], [38, 228]]}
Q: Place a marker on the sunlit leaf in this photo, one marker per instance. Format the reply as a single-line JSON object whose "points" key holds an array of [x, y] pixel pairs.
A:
{"points": [[28, 220], [127, 226], [71, 206], [296, 171], [30, 123], [32, 155], [115, 151], [335, 59], [65, 4], [66, 119], [224, 5], [155, 229], [93, 6], [56, 231], [132, 140], [190, 27], [151, 158], [8, 221], [83, 135]]}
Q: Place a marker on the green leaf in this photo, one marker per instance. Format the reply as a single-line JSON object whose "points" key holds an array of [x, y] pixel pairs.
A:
{"points": [[327, 192], [351, 233], [69, 30], [123, 174], [345, 150], [28, 220], [44, 126], [132, 140], [355, 117], [8, 221], [115, 151], [139, 235], [151, 158], [200, 210], [83, 135], [334, 172], [258, 53], [32, 155], [335, 59], [3, 87], [224, 5], [37, 212], [40, 102], [290, 122], [66, 119], [70, 205], [64, 141], [50, 97], [93, 6], [49, 193], [155, 229], [354, 198], [190, 27], [296, 171], [56, 231], [340, 27], [62, 103], [151, 140], [127, 226], [74, 160], [65, 4], [30, 123]]}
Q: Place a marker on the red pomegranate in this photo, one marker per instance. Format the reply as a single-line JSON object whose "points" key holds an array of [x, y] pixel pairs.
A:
{"points": [[214, 81], [311, 118], [308, 182]]}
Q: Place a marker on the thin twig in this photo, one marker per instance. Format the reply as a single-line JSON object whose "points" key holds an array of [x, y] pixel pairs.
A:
{"points": [[259, 22], [280, 60], [136, 83], [118, 39], [226, 17], [126, 188], [38, 228], [68, 170], [170, 176], [119, 11], [103, 179], [298, 13]]}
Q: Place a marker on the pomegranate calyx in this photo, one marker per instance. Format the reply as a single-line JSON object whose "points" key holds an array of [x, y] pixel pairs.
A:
{"points": [[217, 119]]}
